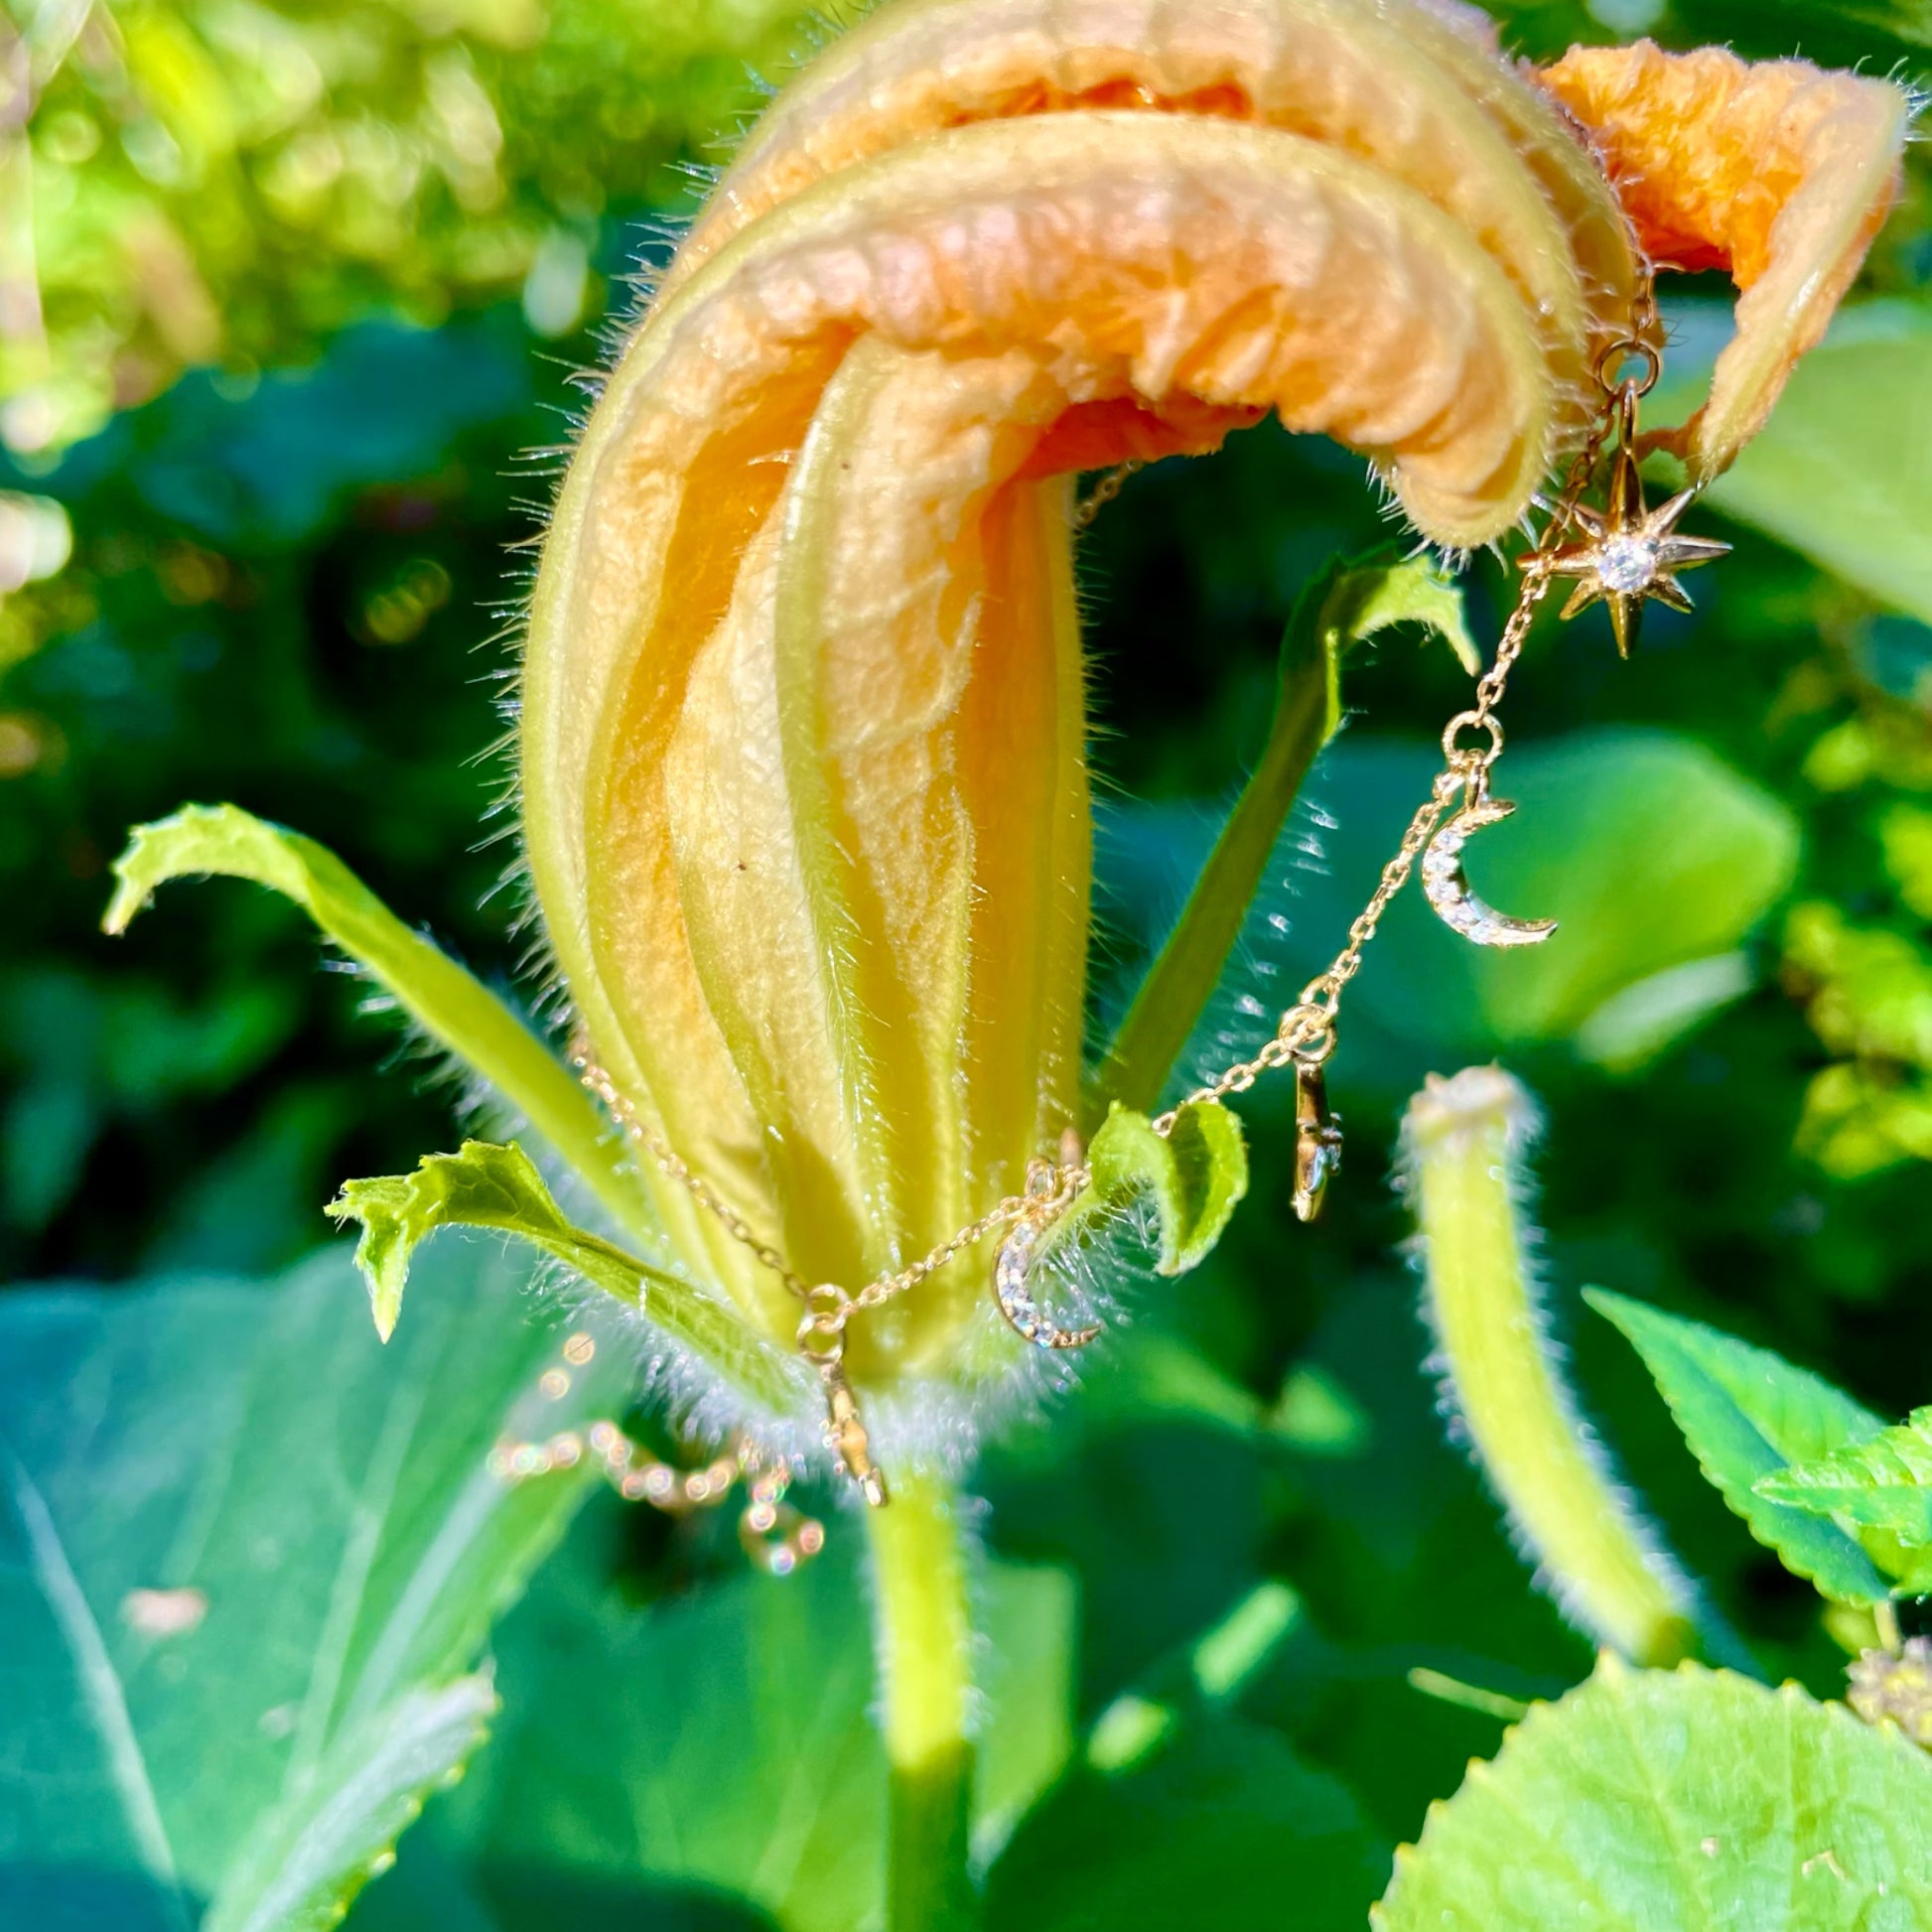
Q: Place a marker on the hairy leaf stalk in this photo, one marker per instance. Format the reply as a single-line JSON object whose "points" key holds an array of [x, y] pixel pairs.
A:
{"points": [[1464, 1173]]}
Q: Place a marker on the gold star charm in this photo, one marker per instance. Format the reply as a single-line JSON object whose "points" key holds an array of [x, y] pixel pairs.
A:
{"points": [[1631, 553]]}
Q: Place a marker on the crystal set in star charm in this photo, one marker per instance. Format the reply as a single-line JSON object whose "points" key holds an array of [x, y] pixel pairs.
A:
{"points": [[1632, 553]]}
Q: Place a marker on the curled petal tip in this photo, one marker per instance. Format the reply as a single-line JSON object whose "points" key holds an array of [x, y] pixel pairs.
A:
{"points": [[1779, 172]]}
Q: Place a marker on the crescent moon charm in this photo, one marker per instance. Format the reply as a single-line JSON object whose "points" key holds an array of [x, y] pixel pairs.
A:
{"points": [[1010, 1285], [1446, 888]]}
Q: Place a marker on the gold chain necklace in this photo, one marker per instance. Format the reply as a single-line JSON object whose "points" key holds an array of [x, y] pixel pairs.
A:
{"points": [[1628, 555]]}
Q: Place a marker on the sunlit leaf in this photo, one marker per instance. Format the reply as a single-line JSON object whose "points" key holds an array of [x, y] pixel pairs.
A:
{"points": [[1692, 1799], [487, 1187], [1839, 472], [1194, 1179], [248, 1559], [339, 1827], [1883, 1484], [1747, 1413], [1632, 1026]]}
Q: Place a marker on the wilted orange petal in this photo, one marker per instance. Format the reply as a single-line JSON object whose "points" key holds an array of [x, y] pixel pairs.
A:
{"points": [[1779, 171], [1417, 89]]}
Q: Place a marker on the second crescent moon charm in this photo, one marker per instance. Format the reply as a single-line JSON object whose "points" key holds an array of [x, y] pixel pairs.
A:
{"points": [[1011, 1288], [1446, 888]]}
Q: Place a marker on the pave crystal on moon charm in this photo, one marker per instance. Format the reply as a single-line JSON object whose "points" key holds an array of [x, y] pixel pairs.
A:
{"points": [[1446, 888], [1011, 1289]]}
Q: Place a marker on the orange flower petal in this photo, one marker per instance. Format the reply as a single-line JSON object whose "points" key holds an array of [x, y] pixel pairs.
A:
{"points": [[1779, 171], [1414, 87]]}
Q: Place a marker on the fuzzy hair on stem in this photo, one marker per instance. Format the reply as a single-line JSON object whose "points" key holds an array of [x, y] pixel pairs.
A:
{"points": [[1464, 1171]]}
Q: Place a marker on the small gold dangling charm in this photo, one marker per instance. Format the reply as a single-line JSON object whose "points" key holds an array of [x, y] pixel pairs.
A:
{"points": [[1632, 552], [821, 1340], [1048, 1197], [1445, 884], [1318, 1137]]}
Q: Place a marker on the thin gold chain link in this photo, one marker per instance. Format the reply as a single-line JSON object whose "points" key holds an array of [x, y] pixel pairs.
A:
{"points": [[873, 1295], [1306, 1031], [1102, 493], [678, 1168], [774, 1534]]}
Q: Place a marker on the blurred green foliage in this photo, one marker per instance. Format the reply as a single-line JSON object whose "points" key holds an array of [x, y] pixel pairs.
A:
{"points": [[364, 230], [229, 181]]}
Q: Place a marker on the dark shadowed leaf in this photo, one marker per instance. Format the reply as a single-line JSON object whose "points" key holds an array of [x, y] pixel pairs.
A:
{"points": [[1220, 1824], [720, 1746]]}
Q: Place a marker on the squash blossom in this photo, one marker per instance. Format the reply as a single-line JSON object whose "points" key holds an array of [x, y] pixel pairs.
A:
{"points": [[803, 745], [803, 748]]}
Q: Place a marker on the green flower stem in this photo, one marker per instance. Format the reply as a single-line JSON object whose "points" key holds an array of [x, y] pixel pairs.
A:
{"points": [[1182, 980], [1464, 1143], [925, 1648], [1351, 600]]}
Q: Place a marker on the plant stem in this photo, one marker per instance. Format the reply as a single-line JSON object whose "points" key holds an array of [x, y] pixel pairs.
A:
{"points": [[1464, 1143], [925, 1641]]}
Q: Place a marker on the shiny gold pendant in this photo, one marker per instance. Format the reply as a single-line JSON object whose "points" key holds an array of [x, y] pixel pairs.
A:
{"points": [[1632, 553], [844, 1436], [821, 1340], [1446, 887], [1318, 1139]]}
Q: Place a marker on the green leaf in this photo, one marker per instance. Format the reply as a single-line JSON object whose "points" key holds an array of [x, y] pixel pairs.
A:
{"points": [[487, 1186], [1194, 1178], [719, 1743], [338, 1827], [65, 1722], [1031, 1612], [247, 1561], [1634, 1025], [1611, 822], [450, 1005], [1345, 603], [1836, 33], [1838, 472], [1352, 600], [1883, 1484], [1692, 1800], [1747, 1413]]}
